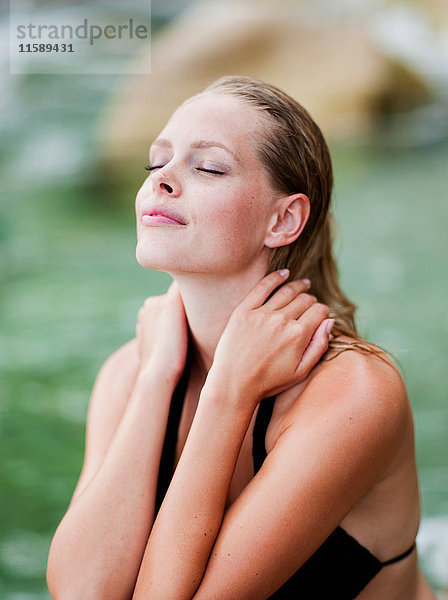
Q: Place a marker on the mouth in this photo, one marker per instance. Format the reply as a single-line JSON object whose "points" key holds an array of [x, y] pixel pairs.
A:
{"points": [[161, 215]]}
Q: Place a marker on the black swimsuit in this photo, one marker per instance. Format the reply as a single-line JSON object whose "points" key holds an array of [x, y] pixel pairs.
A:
{"points": [[339, 569]]}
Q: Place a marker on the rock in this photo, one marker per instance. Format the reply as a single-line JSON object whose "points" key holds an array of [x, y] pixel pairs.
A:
{"points": [[435, 10], [332, 68]]}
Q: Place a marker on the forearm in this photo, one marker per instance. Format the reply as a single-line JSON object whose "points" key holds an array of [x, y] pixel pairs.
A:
{"points": [[190, 517], [97, 549]]}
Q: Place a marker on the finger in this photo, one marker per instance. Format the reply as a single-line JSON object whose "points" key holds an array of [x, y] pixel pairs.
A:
{"points": [[266, 286], [139, 319], [310, 320], [286, 293], [174, 292], [173, 287], [301, 303], [316, 348]]}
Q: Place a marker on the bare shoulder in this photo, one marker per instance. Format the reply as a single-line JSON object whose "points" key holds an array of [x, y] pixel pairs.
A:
{"points": [[122, 362], [110, 394], [367, 365], [356, 391], [114, 384], [368, 376]]}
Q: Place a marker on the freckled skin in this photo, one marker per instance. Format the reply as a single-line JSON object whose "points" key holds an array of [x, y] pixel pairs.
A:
{"points": [[228, 220], [227, 215]]}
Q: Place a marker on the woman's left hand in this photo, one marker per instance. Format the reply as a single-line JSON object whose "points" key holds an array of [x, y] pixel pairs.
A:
{"points": [[270, 345]]}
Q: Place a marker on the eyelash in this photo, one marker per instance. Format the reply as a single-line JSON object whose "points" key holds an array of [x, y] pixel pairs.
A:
{"points": [[212, 171]]}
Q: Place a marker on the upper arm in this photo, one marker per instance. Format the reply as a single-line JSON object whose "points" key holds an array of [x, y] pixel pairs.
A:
{"points": [[346, 428], [110, 393]]}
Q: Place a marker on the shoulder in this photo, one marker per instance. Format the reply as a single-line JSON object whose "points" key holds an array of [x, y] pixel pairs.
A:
{"points": [[356, 394], [110, 394], [114, 383], [116, 377], [123, 361], [364, 368]]}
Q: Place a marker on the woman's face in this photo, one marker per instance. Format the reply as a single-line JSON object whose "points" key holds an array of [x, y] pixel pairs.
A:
{"points": [[204, 168]]}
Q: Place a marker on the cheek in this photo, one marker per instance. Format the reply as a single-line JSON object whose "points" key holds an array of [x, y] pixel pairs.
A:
{"points": [[142, 192], [245, 209], [238, 218], [138, 200]]}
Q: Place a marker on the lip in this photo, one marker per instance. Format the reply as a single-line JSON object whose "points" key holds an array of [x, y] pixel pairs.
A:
{"points": [[160, 214]]}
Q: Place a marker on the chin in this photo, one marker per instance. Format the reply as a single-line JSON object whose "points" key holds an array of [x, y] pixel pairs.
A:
{"points": [[179, 260], [149, 259], [160, 259]]}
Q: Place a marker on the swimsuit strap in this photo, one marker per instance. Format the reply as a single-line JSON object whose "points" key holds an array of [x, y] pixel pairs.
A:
{"points": [[169, 445], [264, 414], [339, 537], [399, 557]]}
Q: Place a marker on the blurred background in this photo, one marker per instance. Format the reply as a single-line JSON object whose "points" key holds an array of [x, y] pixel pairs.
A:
{"points": [[373, 74]]}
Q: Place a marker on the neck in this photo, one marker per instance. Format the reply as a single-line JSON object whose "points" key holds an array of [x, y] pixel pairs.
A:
{"points": [[209, 301]]}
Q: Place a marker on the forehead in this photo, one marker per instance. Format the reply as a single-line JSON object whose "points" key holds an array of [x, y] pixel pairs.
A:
{"points": [[219, 117]]}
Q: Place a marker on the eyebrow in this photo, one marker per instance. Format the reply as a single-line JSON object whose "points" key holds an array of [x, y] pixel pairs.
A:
{"points": [[198, 144]]}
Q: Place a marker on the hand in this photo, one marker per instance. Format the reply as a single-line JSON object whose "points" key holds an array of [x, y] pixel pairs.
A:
{"points": [[162, 333], [270, 345]]}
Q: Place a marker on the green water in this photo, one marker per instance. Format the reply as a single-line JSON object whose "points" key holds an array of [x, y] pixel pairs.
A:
{"points": [[70, 288]]}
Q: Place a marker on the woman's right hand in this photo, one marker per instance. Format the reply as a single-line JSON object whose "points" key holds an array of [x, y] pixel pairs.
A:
{"points": [[162, 333], [272, 340]]}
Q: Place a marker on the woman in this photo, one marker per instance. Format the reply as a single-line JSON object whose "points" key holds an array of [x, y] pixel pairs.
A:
{"points": [[287, 465]]}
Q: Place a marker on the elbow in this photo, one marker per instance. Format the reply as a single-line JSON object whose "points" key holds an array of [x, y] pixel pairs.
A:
{"points": [[67, 581], [61, 570], [64, 583], [62, 588], [53, 575], [57, 587], [59, 579]]}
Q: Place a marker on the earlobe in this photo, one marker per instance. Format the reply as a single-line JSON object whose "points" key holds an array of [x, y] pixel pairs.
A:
{"points": [[288, 220]]}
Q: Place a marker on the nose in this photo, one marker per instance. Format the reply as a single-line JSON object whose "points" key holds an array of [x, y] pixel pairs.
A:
{"points": [[167, 187], [164, 182]]}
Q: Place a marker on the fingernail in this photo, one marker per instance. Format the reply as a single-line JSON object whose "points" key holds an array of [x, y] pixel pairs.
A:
{"points": [[330, 325], [306, 282], [284, 272]]}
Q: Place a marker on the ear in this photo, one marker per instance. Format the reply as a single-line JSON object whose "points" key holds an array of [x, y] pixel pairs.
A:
{"points": [[288, 220]]}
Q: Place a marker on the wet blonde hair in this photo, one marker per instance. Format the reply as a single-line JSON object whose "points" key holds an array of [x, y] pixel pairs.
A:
{"points": [[297, 159]]}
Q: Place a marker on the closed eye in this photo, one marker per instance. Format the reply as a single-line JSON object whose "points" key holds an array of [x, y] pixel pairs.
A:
{"points": [[214, 171]]}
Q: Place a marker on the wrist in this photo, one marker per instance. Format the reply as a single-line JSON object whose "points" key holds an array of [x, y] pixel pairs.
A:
{"points": [[153, 374], [228, 391]]}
